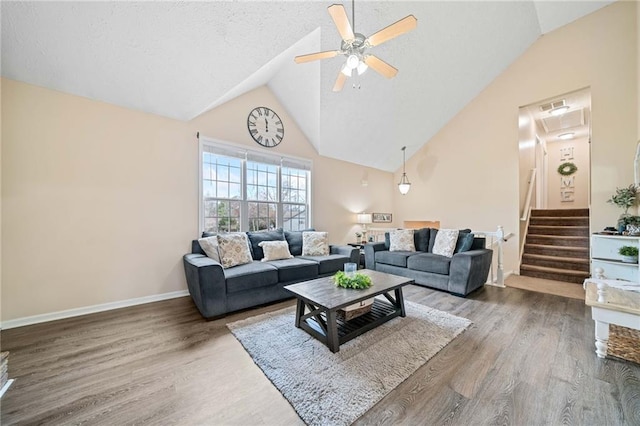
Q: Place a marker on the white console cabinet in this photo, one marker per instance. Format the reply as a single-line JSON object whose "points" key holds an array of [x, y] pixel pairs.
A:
{"points": [[604, 254]]}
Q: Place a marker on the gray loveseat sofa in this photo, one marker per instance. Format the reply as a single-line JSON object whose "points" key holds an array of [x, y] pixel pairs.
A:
{"points": [[460, 274], [217, 291]]}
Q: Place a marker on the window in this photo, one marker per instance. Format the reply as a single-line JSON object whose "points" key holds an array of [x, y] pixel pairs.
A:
{"points": [[243, 190]]}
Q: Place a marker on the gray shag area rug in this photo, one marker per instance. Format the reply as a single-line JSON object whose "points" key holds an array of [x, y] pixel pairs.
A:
{"points": [[335, 389]]}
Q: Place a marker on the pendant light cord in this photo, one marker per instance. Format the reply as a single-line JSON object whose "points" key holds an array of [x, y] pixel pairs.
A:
{"points": [[353, 14], [404, 160]]}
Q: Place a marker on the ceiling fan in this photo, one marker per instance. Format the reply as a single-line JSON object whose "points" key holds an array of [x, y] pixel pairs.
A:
{"points": [[354, 46]]}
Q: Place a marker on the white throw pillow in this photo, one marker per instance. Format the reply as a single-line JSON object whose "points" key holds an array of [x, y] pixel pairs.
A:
{"points": [[275, 250], [210, 247], [445, 242], [234, 249], [315, 244], [401, 240]]}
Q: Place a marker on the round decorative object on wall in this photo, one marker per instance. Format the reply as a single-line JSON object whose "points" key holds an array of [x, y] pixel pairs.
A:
{"points": [[265, 127], [567, 169]]}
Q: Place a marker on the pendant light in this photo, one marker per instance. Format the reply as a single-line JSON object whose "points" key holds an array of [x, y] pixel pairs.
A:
{"points": [[404, 186]]}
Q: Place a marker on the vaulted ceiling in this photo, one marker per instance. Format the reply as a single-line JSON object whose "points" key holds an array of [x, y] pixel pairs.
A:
{"points": [[180, 59]]}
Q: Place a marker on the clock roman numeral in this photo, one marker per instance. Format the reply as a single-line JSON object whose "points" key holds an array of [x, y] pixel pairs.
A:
{"points": [[254, 132], [252, 124], [279, 137]]}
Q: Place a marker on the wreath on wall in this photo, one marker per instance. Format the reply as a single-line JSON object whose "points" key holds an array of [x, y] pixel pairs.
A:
{"points": [[567, 169]]}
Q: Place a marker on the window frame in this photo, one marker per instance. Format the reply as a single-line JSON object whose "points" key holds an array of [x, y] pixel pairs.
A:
{"points": [[245, 155]]}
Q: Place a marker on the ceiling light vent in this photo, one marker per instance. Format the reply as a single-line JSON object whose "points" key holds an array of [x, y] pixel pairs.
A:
{"points": [[552, 105]]}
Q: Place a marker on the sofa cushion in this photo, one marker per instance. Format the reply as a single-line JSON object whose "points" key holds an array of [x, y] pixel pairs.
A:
{"points": [[255, 238], [421, 239], [250, 276], [210, 247], [445, 242], [275, 250], [328, 264], [429, 262], [294, 238], [432, 236], [295, 269], [396, 258], [315, 243], [465, 241], [234, 249], [401, 240]]}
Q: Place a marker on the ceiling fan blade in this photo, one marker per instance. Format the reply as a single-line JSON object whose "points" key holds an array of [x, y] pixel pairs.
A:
{"points": [[380, 66], [339, 16], [339, 82], [394, 30], [315, 56]]}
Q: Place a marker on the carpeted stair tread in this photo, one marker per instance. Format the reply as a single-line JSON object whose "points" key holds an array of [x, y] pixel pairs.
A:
{"points": [[559, 212], [563, 275], [560, 221], [557, 258], [558, 240], [578, 231], [568, 249]]}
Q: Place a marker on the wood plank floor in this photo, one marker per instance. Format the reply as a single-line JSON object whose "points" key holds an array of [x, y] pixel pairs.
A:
{"points": [[528, 359]]}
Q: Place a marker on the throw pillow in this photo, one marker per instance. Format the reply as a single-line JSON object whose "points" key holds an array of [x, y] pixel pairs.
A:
{"points": [[234, 249], [465, 241], [315, 244], [294, 238], [210, 247], [401, 240], [445, 242], [255, 238], [275, 250]]}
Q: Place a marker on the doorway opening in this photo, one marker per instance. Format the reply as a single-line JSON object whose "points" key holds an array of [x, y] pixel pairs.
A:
{"points": [[554, 171]]}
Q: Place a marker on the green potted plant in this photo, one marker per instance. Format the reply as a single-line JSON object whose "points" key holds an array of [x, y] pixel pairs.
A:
{"points": [[624, 198], [629, 254]]}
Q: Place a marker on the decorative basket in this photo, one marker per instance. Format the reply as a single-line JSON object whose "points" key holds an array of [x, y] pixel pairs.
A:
{"points": [[624, 343], [353, 311]]}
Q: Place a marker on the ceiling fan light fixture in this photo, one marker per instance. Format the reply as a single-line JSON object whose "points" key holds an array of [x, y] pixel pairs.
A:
{"points": [[346, 70], [362, 67], [353, 61]]}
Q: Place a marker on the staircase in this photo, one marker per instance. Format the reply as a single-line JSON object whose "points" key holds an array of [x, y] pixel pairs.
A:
{"points": [[557, 245]]}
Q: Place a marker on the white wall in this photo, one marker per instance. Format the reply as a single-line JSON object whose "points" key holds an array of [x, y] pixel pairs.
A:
{"points": [[580, 177], [467, 175]]}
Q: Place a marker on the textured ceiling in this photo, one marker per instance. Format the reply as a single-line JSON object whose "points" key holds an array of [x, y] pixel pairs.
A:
{"points": [[179, 59]]}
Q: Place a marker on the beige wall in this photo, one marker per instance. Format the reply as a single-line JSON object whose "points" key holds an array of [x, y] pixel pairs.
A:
{"points": [[99, 203], [581, 177], [467, 175]]}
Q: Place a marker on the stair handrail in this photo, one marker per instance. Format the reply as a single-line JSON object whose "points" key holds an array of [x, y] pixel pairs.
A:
{"points": [[497, 238], [526, 211]]}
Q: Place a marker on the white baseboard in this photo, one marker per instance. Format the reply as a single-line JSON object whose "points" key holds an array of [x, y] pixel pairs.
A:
{"points": [[36, 319]]}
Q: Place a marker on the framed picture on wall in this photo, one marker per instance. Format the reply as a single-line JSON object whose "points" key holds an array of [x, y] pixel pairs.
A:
{"points": [[381, 217]]}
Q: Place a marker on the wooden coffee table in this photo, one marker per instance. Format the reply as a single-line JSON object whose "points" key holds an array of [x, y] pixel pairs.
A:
{"points": [[320, 299]]}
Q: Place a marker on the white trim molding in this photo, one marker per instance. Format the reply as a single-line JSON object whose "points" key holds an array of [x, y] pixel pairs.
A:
{"points": [[70, 313]]}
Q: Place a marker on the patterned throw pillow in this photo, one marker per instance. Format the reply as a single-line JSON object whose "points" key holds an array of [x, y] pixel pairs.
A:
{"points": [[315, 244], [401, 240], [275, 250], [445, 242], [234, 249], [210, 247]]}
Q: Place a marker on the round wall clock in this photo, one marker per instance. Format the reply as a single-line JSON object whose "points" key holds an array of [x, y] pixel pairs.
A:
{"points": [[265, 127]]}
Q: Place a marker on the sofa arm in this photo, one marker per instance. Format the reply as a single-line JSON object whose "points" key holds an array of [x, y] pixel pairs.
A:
{"points": [[469, 271], [351, 252], [207, 284], [370, 254]]}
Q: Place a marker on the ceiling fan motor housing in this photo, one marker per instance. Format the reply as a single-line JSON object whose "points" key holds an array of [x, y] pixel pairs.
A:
{"points": [[356, 46]]}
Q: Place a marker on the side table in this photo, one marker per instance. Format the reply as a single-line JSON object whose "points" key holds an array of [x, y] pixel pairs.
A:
{"points": [[611, 305]]}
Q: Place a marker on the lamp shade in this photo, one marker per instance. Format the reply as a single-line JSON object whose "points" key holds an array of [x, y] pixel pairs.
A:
{"points": [[364, 218]]}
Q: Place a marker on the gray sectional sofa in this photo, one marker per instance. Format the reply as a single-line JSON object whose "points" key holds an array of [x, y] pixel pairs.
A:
{"points": [[217, 291], [460, 274]]}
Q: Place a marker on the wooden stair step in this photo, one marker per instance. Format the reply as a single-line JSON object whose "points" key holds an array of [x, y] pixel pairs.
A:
{"points": [[564, 275], [579, 231], [560, 220], [554, 240], [558, 262], [559, 212]]}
